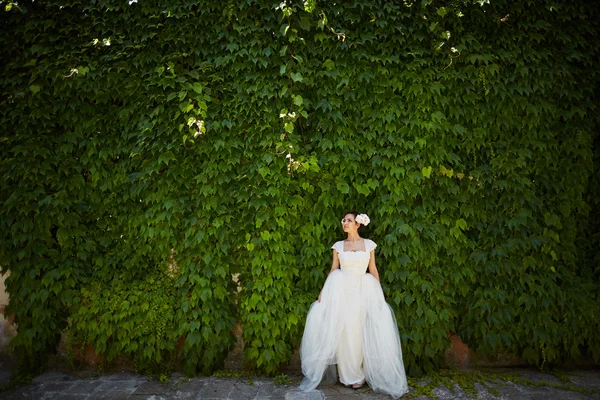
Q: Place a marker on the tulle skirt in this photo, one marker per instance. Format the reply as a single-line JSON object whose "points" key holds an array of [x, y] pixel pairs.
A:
{"points": [[354, 328]]}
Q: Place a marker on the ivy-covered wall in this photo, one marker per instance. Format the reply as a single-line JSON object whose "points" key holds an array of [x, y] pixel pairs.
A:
{"points": [[152, 149]]}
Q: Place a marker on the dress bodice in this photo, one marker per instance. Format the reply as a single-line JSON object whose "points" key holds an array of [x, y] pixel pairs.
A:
{"points": [[355, 262]]}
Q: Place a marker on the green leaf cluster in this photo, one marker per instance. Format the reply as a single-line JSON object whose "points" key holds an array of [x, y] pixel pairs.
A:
{"points": [[127, 318], [213, 147]]}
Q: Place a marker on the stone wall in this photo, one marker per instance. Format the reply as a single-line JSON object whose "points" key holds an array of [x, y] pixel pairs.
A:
{"points": [[7, 329], [3, 294]]}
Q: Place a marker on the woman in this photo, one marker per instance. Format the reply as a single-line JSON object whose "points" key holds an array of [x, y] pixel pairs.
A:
{"points": [[351, 325]]}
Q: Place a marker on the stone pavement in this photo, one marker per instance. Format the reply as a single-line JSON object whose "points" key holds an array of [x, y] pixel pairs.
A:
{"points": [[127, 385]]}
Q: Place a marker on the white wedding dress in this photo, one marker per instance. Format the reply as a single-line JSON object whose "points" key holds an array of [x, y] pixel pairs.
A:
{"points": [[354, 328]]}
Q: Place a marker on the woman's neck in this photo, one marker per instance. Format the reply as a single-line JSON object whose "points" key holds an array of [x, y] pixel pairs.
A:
{"points": [[352, 236]]}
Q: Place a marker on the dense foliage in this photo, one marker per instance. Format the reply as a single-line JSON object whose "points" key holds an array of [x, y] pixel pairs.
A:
{"points": [[132, 319], [152, 150]]}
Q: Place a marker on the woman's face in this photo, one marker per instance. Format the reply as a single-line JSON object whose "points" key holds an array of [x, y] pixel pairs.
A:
{"points": [[349, 223]]}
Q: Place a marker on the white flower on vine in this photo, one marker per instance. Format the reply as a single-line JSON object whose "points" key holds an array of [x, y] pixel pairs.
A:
{"points": [[288, 115]]}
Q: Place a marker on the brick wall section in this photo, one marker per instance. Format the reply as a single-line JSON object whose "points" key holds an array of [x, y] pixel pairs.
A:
{"points": [[7, 328], [3, 294]]}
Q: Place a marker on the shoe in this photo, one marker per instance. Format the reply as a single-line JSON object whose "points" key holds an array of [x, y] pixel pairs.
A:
{"points": [[357, 385]]}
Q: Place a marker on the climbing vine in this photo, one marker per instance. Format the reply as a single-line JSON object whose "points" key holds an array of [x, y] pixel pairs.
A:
{"points": [[174, 169], [127, 318]]}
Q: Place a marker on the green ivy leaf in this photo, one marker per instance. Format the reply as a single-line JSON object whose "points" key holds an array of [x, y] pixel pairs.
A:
{"points": [[426, 171], [296, 76], [305, 23]]}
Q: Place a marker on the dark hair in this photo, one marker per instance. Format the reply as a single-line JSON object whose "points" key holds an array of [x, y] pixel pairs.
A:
{"points": [[353, 213]]}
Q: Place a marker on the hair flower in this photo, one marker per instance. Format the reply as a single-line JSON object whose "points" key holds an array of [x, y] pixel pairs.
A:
{"points": [[363, 219]]}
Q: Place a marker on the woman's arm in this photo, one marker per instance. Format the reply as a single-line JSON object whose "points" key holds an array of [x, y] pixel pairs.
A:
{"points": [[373, 267], [335, 263]]}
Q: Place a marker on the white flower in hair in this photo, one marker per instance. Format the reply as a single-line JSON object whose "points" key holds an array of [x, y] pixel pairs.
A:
{"points": [[363, 219]]}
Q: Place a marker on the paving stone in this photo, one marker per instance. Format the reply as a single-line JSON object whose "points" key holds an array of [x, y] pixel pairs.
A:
{"points": [[60, 386], [181, 395], [591, 380], [535, 393], [296, 394], [128, 386], [217, 389], [329, 390], [151, 388], [187, 390], [22, 393], [109, 396], [443, 393], [192, 384], [124, 376], [482, 393], [116, 389], [569, 395], [558, 394], [374, 396], [243, 391], [269, 389], [67, 396], [84, 387], [353, 396]]}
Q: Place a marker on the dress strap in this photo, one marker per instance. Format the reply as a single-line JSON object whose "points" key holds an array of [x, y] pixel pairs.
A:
{"points": [[337, 246], [370, 245]]}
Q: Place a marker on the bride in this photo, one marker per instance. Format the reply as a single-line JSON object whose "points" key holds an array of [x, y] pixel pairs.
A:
{"points": [[351, 325]]}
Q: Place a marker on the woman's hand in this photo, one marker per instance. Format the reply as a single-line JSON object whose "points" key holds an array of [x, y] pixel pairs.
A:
{"points": [[319, 299]]}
